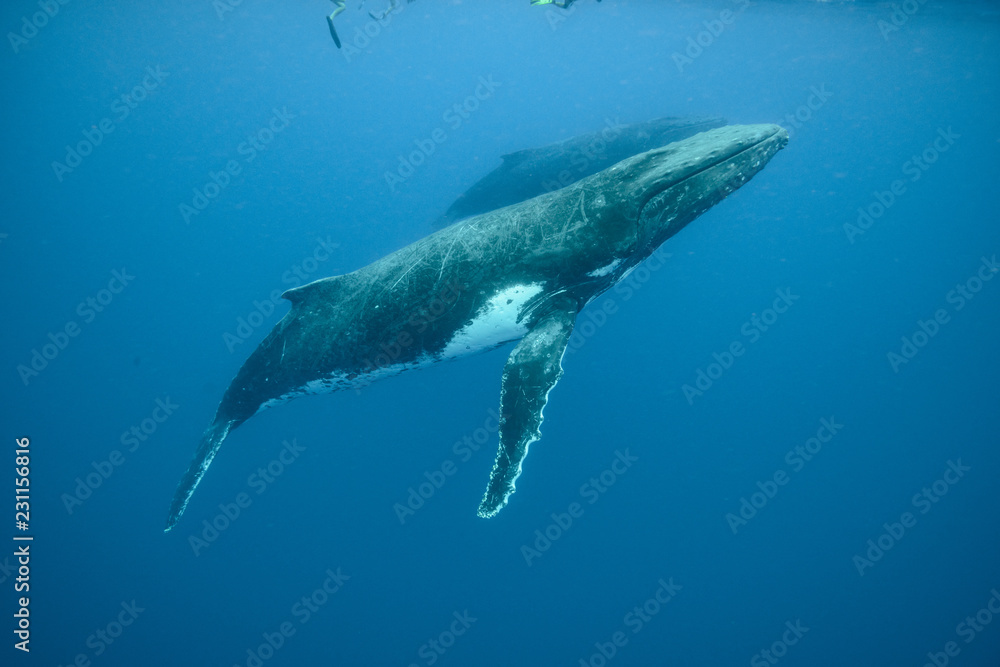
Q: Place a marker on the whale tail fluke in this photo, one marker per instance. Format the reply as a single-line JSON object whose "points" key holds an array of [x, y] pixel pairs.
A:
{"points": [[210, 443]]}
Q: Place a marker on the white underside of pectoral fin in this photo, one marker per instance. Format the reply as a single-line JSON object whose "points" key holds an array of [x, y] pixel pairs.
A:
{"points": [[532, 371]]}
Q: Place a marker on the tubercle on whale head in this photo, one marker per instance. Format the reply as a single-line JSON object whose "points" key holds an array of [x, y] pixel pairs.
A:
{"points": [[673, 185], [619, 216], [636, 205]]}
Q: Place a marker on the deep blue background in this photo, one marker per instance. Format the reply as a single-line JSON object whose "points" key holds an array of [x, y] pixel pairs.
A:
{"points": [[560, 74]]}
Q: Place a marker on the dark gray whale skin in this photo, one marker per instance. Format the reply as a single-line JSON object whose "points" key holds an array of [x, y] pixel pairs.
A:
{"points": [[528, 173], [520, 272]]}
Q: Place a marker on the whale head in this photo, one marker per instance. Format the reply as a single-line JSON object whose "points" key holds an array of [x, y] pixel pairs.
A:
{"points": [[666, 188], [613, 220]]}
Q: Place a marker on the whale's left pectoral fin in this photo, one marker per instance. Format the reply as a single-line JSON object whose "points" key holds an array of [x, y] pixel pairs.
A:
{"points": [[532, 370]]}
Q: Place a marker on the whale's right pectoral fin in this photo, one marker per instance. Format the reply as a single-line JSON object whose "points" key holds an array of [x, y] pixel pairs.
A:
{"points": [[211, 441], [533, 369]]}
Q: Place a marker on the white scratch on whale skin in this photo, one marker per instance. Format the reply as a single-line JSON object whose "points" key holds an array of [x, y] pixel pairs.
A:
{"points": [[605, 270]]}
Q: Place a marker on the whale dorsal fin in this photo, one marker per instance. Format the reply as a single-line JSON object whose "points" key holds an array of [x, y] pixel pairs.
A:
{"points": [[510, 159], [532, 370]]}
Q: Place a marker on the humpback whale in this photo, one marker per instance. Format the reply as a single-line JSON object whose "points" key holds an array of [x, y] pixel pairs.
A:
{"points": [[530, 172], [520, 273]]}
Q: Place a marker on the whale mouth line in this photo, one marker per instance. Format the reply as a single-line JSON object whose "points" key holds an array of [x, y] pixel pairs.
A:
{"points": [[659, 188]]}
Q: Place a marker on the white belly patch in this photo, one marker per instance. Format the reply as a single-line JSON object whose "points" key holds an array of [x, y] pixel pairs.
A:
{"points": [[495, 323]]}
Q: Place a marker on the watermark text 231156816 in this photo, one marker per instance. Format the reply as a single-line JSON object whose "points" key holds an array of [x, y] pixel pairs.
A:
{"points": [[31, 25], [22, 515]]}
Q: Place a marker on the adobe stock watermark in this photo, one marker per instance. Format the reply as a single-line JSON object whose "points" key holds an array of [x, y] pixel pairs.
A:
{"points": [[463, 450], [297, 275], [752, 329], [131, 440], [223, 7], [923, 501], [87, 311], [818, 96], [958, 298], [259, 481], [581, 159], [248, 149], [435, 648], [22, 617], [95, 135], [779, 649], [103, 638], [454, 117], [704, 39], [556, 17], [591, 491], [31, 25], [402, 338], [913, 168], [899, 17], [372, 30], [302, 611], [7, 569], [635, 620], [595, 316], [968, 629], [796, 459]]}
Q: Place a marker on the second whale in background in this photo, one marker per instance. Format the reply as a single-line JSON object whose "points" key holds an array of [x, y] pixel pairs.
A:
{"points": [[533, 171]]}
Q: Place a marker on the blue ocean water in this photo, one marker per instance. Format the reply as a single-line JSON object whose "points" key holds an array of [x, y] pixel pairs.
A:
{"points": [[827, 497]]}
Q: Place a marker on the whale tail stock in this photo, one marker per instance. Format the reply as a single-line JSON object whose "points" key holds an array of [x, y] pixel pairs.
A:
{"points": [[211, 441]]}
